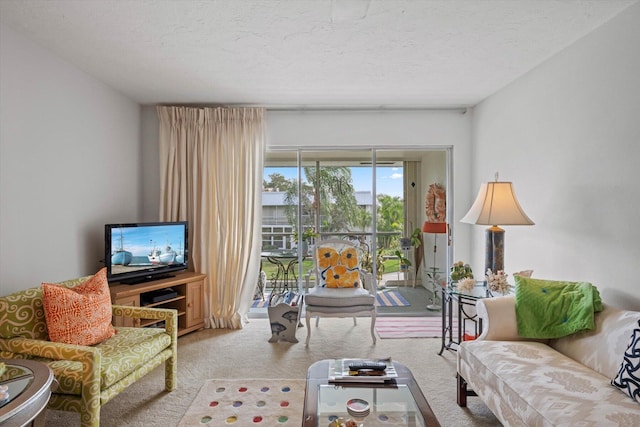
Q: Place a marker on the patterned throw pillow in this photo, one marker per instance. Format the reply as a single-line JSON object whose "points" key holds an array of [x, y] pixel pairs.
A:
{"points": [[79, 315], [338, 269], [628, 378]]}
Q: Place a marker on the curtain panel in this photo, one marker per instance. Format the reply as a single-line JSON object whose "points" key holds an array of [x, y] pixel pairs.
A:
{"points": [[211, 162]]}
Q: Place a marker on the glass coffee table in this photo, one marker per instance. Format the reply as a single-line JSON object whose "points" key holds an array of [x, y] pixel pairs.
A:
{"points": [[398, 402]]}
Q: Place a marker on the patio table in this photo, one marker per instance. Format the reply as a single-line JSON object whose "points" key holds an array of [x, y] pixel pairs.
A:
{"points": [[286, 262]]}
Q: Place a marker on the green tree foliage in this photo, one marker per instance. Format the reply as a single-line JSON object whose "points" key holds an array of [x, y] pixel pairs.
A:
{"points": [[334, 193], [291, 204], [277, 182], [331, 189], [390, 219], [362, 219]]}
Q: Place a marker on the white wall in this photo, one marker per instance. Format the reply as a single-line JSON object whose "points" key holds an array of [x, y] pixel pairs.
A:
{"points": [[568, 135], [69, 163]]}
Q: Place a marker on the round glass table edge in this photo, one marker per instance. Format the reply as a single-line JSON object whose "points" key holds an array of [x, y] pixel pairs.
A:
{"points": [[37, 390]]}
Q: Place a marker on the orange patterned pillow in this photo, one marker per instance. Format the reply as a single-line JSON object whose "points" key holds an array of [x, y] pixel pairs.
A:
{"points": [[338, 269], [340, 277], [79, 315]]}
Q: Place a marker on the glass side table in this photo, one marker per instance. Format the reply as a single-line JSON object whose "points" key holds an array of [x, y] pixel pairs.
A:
{"points": [[29, 386], [464, 301]]}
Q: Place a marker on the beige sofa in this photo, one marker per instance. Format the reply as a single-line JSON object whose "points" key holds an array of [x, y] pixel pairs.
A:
{"points": [[562, 382]]}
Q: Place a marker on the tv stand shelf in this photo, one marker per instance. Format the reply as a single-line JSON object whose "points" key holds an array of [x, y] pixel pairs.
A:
{"points": [[189, 301]]}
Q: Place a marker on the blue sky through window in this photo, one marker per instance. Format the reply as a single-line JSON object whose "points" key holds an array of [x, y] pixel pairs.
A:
{"points": [[389, 178]]}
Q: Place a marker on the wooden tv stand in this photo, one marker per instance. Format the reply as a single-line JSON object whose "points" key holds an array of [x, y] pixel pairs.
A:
{"points": [[189, 300]]}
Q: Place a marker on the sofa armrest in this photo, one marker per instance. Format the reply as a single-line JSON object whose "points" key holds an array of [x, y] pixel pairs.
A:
{"points": [[169, 315], [499, 321], [89, 357], [143, 312]]}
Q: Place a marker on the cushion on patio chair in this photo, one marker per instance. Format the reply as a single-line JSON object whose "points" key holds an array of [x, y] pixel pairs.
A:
{"points": [[348, 311], [345, 297]]}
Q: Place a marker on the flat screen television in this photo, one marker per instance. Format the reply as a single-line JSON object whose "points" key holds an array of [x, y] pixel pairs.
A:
{"points": [[141, 252]]}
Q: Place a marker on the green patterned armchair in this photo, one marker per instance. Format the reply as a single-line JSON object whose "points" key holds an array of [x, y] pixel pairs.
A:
{"points": [[88, 376]]}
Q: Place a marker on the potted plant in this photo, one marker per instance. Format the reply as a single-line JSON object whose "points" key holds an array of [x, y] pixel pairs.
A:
{"points": [[415, 241], [405, 262], [307, 236], [416, 238], [367, 263], [459, 271]]}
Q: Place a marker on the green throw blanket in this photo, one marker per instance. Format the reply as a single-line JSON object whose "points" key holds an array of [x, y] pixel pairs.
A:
{"points": [[554, 309]]}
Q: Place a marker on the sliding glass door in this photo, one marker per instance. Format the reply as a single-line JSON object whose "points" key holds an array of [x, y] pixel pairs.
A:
{"points": [[374, 197]]}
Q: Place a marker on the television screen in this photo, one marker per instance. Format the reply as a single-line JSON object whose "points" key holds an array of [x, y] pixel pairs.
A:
{"points": [[145, 251]]}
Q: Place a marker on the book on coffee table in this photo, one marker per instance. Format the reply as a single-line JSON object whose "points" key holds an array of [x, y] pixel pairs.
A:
{"points": [[339, 372]]}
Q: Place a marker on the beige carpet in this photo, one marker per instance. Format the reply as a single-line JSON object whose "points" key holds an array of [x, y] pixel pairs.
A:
{"points": [[245, 354]]}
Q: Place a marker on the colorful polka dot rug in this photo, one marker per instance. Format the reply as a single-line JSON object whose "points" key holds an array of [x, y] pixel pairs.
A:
{"points": [[260, 403]]}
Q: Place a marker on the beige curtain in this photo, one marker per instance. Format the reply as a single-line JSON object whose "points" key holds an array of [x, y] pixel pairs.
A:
{"points": [[211, 162]]}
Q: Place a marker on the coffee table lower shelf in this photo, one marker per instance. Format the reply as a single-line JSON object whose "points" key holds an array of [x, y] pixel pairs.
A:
{"points": [[399, 402]]}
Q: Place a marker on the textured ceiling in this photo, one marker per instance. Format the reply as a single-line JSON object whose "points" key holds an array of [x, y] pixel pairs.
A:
{"points": [[308, 53]]}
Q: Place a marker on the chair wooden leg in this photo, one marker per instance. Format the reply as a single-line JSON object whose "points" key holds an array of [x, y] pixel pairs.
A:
{"points": [[354, 322]]}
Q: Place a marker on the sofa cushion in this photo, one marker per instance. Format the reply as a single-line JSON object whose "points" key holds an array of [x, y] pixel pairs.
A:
{"points": [[529, 383], [601, 349], [80, 315], [628, 378], [121, 355]]}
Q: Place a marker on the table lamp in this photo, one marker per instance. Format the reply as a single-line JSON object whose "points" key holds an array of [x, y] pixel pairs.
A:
{"points": [[496, 204]]}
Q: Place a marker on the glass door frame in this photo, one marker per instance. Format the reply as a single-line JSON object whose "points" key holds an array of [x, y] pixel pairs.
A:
{"points": [[374, 155]]}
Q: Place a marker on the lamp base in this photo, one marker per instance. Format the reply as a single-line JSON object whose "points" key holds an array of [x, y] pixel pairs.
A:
{"points": [[434, 307], [494, 249]]}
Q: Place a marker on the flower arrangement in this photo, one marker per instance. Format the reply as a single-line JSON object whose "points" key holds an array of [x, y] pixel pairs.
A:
{"points": [[497, 282], [467, 284], [460, 271]]}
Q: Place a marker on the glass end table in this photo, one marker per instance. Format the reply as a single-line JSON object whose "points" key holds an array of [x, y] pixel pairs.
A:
{"points": [[463, 313]]}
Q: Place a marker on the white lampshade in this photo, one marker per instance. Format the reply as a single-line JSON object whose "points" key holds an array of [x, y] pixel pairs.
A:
{"points": [[496, 204]]}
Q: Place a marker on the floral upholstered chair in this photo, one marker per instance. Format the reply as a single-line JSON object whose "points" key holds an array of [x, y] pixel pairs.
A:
{"points": [[341, 288], [88, 376]]}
